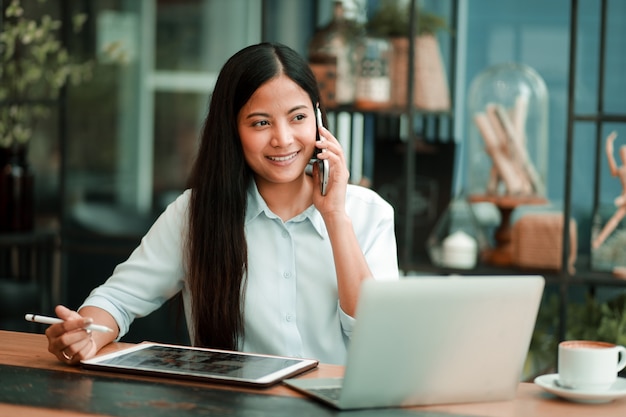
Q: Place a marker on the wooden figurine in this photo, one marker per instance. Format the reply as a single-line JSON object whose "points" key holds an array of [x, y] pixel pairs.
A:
{"points": [[620, 201]]}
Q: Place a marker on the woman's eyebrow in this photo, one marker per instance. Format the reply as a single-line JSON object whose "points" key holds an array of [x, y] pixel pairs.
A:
{"points": [[257, 114], [296, 108], [262, 114]]}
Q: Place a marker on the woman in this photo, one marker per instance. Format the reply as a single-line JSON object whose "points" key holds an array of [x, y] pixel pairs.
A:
{"points": [[264, 261]]}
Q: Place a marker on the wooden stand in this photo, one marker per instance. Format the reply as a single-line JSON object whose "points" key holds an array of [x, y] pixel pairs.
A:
{"points": [[501, 254]]}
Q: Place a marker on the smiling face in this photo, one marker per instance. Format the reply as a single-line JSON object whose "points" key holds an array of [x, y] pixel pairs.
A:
{"points": [[278, 131]]}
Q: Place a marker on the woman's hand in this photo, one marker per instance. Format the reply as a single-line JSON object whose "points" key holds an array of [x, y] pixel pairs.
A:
{"points": [[334, 200], [70, 341]]}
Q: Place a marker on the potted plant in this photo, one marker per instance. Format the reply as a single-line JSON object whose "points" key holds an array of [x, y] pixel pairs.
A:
{"points": [[392, 20], [34, 68]]}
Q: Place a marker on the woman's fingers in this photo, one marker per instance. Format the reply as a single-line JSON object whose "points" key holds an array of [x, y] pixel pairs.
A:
{"points": [[65, 313], [69, 339], [73, 346]]}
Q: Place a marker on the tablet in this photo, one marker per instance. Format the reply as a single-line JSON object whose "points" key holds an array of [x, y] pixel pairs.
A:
{"points": [[211, 365]]}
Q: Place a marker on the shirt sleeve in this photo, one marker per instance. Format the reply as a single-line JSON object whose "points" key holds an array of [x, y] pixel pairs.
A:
{"points": [[380, 249], [374, 225], [151, 275], [347, 321]]}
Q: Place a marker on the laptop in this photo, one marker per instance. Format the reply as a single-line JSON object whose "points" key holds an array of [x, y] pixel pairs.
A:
{"points": [[434, 340]]}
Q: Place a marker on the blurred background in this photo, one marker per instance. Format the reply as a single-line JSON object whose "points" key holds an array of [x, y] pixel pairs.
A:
{"points": [[117, 147]]}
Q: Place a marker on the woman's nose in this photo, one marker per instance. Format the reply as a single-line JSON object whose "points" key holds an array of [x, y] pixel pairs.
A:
{"points": [[281, 136]]}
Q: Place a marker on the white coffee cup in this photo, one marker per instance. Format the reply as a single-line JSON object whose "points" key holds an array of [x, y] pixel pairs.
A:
{"points": [[587, 365]]}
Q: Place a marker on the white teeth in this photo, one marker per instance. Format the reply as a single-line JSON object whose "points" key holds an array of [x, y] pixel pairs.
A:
{"points": [[283, 158]]}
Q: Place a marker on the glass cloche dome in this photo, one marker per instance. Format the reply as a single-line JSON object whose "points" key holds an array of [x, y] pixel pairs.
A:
{"points": [[508, 144], [508, 148]]}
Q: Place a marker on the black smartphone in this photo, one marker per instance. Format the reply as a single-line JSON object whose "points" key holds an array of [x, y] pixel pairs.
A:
{"points": [[324, 167]]}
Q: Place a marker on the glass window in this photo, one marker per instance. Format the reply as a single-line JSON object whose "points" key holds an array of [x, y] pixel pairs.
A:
{"points": [[132, 130]]}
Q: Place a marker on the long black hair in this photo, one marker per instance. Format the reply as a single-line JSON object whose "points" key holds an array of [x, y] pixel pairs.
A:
{"points": [[217, 258]]}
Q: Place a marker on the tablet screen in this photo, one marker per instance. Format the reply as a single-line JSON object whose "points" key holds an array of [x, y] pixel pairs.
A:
{"points": [[198, 363]]}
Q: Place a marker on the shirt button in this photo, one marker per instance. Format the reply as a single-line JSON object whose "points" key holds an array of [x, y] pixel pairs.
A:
{"points": [[287, 274], [285, 234], [288, 317]]}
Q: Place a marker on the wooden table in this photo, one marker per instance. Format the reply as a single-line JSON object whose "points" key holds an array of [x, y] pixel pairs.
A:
{"points": [[70, 391]]}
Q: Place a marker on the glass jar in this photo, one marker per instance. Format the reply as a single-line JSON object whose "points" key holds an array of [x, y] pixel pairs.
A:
{"points": [[373, 82], [16, 190], [457, 238], [333, 57], [608, 243]]}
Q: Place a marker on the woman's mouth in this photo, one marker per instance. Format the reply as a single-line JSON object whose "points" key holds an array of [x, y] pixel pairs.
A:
{"points": [[282, 158]]}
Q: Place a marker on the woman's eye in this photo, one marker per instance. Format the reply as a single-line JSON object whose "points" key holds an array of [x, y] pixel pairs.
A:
{"points": [[299, 117], [260, 123]]}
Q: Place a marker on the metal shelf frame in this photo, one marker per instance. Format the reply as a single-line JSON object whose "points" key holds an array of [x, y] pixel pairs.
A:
{"points": [[586, 276]]}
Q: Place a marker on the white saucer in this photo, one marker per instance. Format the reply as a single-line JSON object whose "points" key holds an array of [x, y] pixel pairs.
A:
{"points": [[548, 383]]}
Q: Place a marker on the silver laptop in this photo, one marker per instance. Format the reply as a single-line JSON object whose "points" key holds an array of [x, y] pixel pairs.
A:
{"points": [[434, 340]]}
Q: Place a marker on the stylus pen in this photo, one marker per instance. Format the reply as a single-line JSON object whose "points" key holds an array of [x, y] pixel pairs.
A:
{"points": [[53, 320]]}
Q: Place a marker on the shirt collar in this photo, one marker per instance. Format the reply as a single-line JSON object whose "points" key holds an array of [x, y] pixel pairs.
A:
{"points": [[256, 205]]}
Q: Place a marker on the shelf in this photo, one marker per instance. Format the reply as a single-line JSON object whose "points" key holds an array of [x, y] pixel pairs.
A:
{"points": [[421, 138], [596, 118], [389, 111], [583, 276], [481, 269]]}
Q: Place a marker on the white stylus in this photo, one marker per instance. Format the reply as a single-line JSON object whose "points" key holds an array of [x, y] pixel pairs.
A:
{"points": [[53, 320]]}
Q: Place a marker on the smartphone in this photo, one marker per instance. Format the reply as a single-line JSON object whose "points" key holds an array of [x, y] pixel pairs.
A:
{"points": [[323, 165]]}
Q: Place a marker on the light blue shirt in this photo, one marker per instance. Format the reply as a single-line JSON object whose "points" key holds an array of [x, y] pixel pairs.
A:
{"points": [[291, 301]]}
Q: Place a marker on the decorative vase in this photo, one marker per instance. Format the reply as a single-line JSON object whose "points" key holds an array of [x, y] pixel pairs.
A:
{"points": [[430, 84], [16, 190]]}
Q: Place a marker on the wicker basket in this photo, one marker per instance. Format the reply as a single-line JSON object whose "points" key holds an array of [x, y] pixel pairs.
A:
{"points": [[537, 241]]}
